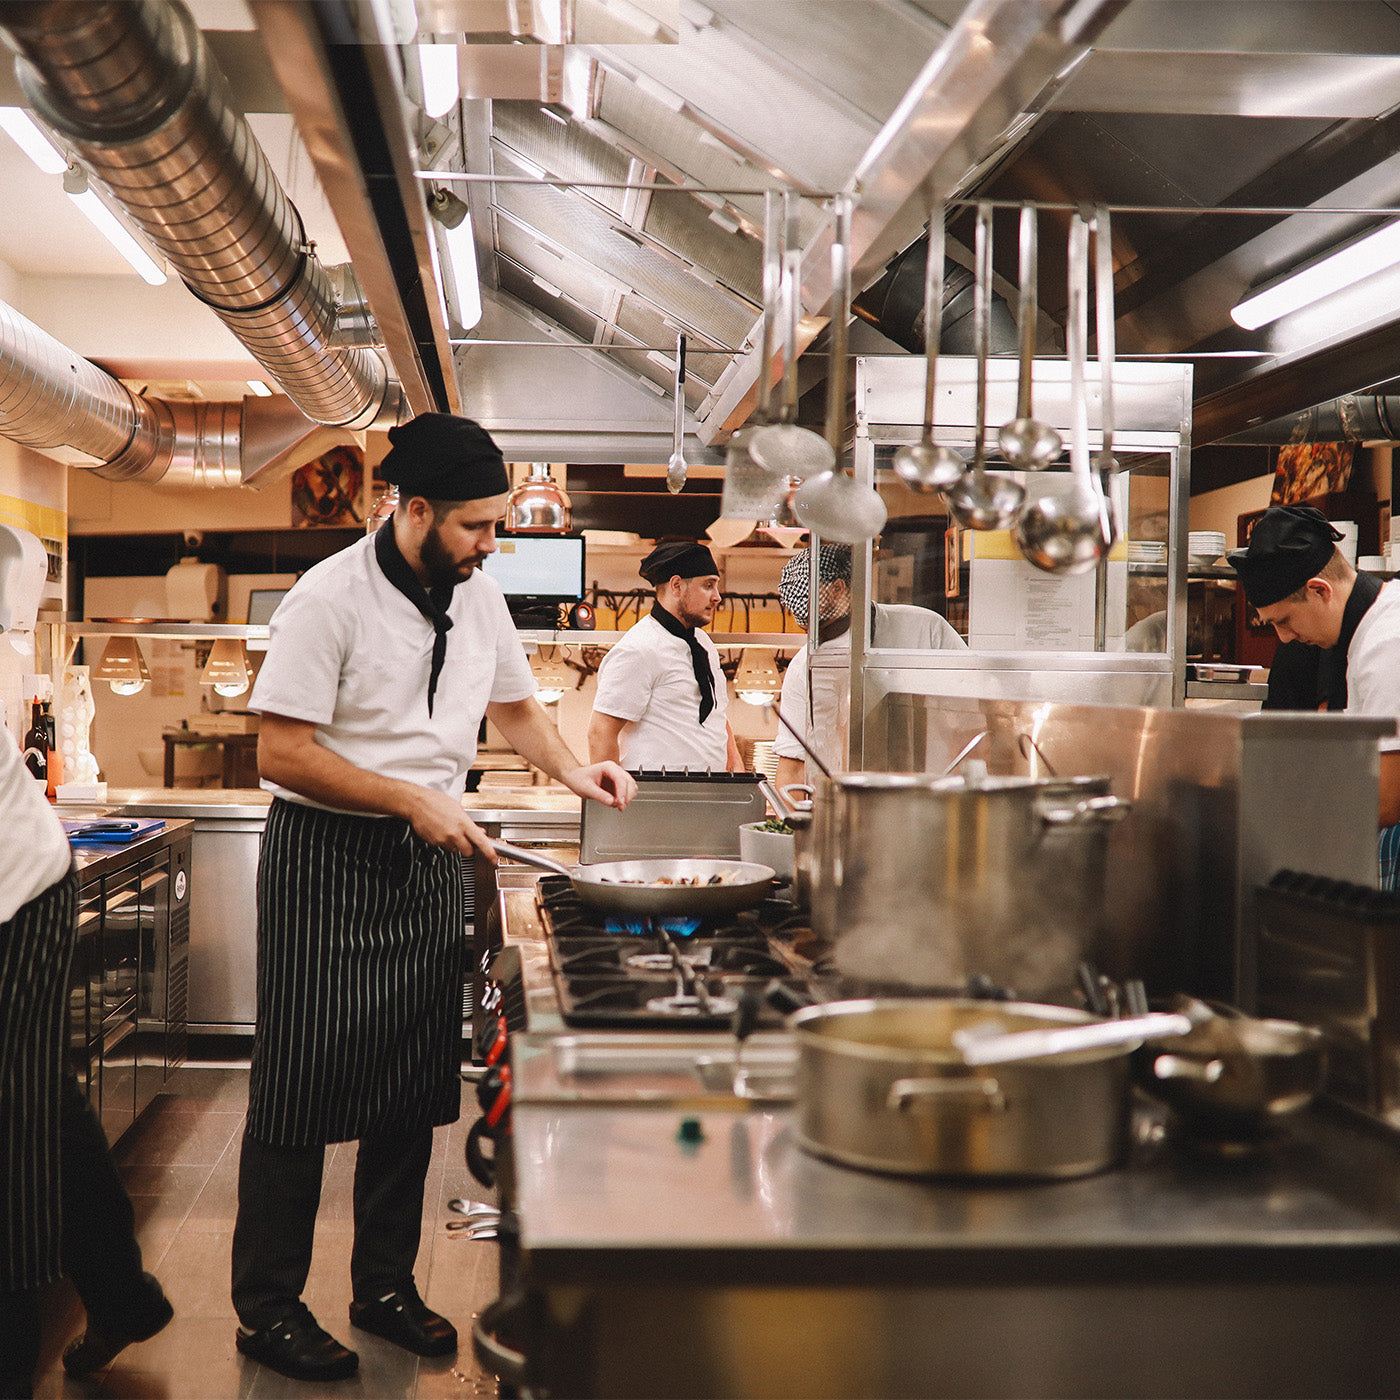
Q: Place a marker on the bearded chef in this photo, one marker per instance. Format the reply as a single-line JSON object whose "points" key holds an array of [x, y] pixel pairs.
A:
{"points": [[381, 663], [661, 698], [1301, 584]]}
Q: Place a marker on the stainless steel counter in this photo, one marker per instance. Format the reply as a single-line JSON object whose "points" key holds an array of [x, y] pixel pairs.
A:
{"points": [[741, 1265]]}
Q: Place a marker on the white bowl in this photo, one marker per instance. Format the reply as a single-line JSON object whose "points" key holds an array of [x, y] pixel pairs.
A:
{"points": [[772, 848]]}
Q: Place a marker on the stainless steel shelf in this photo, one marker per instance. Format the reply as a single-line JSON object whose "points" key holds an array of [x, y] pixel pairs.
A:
{"points": [[169, 631]]}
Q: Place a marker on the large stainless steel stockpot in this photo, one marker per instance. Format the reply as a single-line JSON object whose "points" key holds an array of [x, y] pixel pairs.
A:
{"points": [[880, 1085], [926, 881]]}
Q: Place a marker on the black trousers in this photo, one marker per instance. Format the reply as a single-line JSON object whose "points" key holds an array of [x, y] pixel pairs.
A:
{"points": [[99, 1249], [279, 1192]]}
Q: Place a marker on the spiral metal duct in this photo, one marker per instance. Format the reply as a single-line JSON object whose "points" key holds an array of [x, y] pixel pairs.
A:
{"points": [[133, 89], [1351, 418]]}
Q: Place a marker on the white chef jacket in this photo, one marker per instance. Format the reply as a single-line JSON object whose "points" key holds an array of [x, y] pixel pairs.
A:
{"points": [[349, 653], [1373, 662], [897, 625], [34, 852], [649, 680]]}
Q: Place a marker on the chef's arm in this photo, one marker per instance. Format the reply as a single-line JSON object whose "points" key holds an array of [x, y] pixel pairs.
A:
{"points": [[732, 760], [531, 733], [790, 770], [290, 755], [605, 737], [1390, 788]]}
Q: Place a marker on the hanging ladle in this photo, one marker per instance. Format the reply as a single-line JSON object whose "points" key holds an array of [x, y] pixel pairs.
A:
{"points": [[751, 491], [983, 500], [833, 504], [1062, 532], [783, 448], [675, 468], [1026, 442], [1105, 463], [924, 466]]}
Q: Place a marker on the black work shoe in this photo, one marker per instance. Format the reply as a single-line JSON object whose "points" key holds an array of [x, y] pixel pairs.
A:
{"points": [[406, 1320], [96, 1348], [298, 1347]]}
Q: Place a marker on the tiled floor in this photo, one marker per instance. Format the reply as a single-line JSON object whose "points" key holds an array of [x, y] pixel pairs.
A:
{"points": [[180, 1164]]}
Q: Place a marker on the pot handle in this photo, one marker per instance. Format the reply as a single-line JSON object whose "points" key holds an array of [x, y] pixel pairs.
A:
{"points": [[1183, 1067], [907, 1095], [1086, 812]]}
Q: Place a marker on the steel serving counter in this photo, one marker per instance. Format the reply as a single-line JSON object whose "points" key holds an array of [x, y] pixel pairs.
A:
{"points": [[675, 1240]]}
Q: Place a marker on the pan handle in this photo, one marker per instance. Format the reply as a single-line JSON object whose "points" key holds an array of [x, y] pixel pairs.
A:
{"points": [[526, 857]]}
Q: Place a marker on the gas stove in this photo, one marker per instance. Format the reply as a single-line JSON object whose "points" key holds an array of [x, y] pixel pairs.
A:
{"points": [[686, 974]]}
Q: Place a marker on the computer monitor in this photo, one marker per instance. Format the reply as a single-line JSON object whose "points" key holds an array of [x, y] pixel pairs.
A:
{"points": [[262, 603], [537, 571]]}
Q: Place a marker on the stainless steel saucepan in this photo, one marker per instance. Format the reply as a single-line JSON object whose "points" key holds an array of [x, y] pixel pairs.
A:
{"points": [[659, 887]]}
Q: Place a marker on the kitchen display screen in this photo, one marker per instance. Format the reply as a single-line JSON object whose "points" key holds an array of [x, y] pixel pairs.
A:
{"points": [[537, 566]]}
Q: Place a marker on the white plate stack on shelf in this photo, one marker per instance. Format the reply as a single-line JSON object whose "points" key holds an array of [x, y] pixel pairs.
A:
{"points": [[1147, 552], [1205, 547]]}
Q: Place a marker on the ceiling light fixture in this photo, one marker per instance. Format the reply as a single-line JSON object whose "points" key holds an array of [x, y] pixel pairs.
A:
{"points": [[26, 133], [1374, 253], [75, 186], [259, 388], [456, 220], [442, 84]]}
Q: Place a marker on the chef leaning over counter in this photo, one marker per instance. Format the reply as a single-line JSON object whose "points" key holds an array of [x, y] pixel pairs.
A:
{"points": [[1302, 585], [381, 663]]}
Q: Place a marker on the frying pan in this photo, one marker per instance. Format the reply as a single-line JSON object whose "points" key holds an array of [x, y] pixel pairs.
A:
{"points": [[745, 884]]}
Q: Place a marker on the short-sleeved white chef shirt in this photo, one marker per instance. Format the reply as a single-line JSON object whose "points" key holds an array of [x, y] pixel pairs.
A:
{"points": [[350, 654], [1373, 662], [648, 679]]}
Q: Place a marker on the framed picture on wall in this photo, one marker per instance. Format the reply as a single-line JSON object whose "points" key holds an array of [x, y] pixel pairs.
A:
{"points": [[327, 492]]}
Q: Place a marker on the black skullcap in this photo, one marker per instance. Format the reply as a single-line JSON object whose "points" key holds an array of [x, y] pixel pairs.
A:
{"points": [[1289, 545], [685, 558], [444, 458]]}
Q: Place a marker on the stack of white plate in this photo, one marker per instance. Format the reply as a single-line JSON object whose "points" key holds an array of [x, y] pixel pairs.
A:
{"points": [[1147, 552], [1205, 546]]}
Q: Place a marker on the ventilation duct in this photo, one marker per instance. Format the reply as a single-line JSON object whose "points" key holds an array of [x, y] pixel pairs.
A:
{"points": [[131, 86], [1352, 418], [68, 408]]}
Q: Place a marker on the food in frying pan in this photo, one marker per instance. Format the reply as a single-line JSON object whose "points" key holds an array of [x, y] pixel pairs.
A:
{"points": [[673, 880]]}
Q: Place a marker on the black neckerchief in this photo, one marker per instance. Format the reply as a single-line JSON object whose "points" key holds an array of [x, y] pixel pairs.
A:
{"points": [[699, 659], [431, 602], [1332, 674]]}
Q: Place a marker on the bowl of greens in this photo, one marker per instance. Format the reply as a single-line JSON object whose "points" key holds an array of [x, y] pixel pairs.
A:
{"points": [[768, 843]]}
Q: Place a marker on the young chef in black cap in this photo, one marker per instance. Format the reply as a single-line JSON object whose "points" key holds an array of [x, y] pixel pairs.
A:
{"points": [[661, 697], [381, 662], [1302, 585]]}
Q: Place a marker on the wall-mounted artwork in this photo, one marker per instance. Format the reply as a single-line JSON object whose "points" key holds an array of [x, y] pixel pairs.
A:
{"points": [[328, 490], [1308, 469]]}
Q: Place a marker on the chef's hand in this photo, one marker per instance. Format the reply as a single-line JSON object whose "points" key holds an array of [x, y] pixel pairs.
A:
{"points": [[440, 821], [608, 783]]}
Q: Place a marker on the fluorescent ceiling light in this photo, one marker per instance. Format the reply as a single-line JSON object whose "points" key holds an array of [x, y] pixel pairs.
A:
{"points": [[1347, 266], [75, 186], [442, 86], [259, 388], [26, 134], [461, 250]]}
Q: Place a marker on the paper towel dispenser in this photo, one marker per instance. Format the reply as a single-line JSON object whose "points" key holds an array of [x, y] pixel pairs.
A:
{"points": [[24, 568], [196, 592]]}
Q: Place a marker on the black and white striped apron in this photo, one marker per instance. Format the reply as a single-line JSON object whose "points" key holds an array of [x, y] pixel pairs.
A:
{"points": [[362, 954], [36, 952]]}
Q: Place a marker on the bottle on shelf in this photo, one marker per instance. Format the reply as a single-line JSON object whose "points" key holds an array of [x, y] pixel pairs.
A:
{"points": [[36, 744], [54, 774]]}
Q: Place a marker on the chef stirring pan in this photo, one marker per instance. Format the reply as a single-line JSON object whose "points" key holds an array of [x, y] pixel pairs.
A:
{"points": [[659, 887]]}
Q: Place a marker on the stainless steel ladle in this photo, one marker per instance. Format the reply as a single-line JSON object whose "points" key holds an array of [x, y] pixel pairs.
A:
{"points": [[751, 491], [1026, 442], [1062, 532], [833, 504], [784, 448], [924, 466], [983, 500], [675, 469]]}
